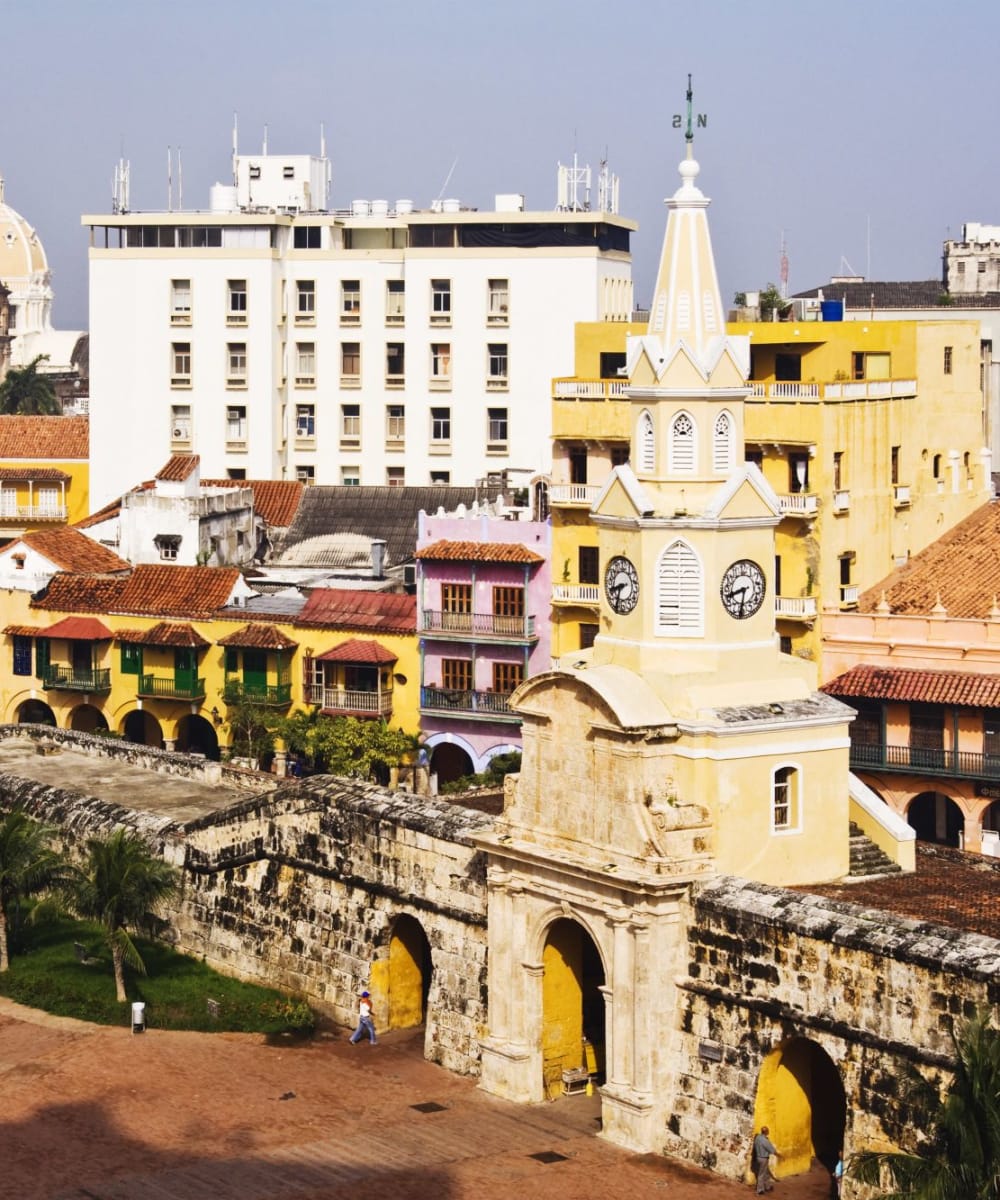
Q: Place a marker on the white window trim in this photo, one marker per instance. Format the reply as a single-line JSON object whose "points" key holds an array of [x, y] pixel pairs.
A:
{"points": [[723, 449], [646, 439], [675, 468], [693, 630], [795, 799]]}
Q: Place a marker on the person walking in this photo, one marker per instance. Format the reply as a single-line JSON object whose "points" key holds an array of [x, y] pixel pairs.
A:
{"points": [[838, 1176], [763, 1148], [365, 1022]]}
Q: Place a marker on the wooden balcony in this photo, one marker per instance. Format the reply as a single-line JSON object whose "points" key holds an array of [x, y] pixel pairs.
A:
{"points": [[466, 703], [478, 626], [576, 495], [267, 695], [61, 677], [920, 760], [167, 687], [577, 593], [350, 702]]}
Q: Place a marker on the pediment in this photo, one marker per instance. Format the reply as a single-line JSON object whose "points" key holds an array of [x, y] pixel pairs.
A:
{"points": [[623, 496], [746, 495]]}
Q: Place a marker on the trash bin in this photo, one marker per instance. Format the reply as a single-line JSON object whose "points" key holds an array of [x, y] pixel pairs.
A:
{"points": [[138, 1017]]}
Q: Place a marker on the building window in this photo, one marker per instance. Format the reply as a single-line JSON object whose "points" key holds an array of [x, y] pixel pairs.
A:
{"points": [[22, 655], [131, 659], [440, 301], [588, 564], [395, 302], [395, 423], [440, 426], [180, 423], [935, 467], [838, 470], [870, 365], [947, 360], [440, 364], [683, 449], [785, 799], [306, 474], [508, 602], [798, 473], [496, 365], [722, 443], [457, 598], [981, 266], [43, 656], [785, 644], [305, 420], [612, 363], [507, 676], [498, 302], [236, 302], [894, 465], [496, 429], [679, 592], [619, 456], [19, 560], [305, 364], [180, 302], [168, 544], [236, 364], [647, 443], [440, 478], [236, 423], [960, 267], [307, 237], [395, 364], [350, 302], [350, 364], [180, 364], [236, 473], [305, 302], [395, 476], [350, 424], [588, 634], [350, 476], [456, 674]]}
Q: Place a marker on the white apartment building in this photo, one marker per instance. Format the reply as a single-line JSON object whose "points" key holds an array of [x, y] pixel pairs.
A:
{"points": [[379, 345]]}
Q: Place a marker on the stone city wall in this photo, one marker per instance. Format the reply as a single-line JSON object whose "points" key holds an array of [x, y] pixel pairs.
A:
{"points": [[878, 993]]}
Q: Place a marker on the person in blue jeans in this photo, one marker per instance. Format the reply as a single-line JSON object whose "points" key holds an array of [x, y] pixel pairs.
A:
{"points": [[365, 1022]]}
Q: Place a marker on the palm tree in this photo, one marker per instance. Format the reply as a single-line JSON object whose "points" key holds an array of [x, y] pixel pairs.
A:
{"points": [[25, 391], [121, 884], [28, 865], [961, 1158]]}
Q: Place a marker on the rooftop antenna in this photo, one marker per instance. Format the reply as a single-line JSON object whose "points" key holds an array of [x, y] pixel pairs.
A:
{"points": [[180, 182], [326, 167], [322, 140], [868, 263], [235, 146], [447, 178], [264, 151], [119, 185], [170, 181], [783, 268], [689, 132]]}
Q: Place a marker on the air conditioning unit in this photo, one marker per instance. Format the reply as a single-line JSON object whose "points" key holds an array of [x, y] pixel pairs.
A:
{"points": [[180, 435]]}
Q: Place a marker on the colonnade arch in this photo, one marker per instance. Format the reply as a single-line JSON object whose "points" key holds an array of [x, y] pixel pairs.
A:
{"points": [[142, 729], [936, 818], [85, 718], [36, 712]]}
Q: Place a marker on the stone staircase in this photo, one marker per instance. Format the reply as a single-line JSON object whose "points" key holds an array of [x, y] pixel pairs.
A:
{"points": [[867, 858]]}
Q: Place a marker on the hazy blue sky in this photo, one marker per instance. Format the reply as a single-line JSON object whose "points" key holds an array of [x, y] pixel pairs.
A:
{"points": [[823, 119]]}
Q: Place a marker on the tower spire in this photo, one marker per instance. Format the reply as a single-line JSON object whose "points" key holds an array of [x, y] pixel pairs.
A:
{"points": [[689, 134]]}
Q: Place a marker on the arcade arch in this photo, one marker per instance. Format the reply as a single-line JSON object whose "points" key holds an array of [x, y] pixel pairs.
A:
{"points": [[36, 712], [572, 1004], [450, 761], [196, 735], [936, 818], [800, 1097], [85, 718], [143, 729]]}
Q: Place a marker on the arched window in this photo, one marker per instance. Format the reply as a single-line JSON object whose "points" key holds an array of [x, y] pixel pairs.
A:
{"points": [[722, 443], [785, 799], [679, 611], [647, 445], [683, 447]]}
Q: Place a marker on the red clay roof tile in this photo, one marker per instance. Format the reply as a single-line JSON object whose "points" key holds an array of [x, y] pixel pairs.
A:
{"points": [[258, 637], [38, 438], [152, 590], [166, 633], [71, 550], [345, 608], [275, 501], [16, 474], [179, 467], [359, 650], [79, 629], [494, 552], [960, 688]]}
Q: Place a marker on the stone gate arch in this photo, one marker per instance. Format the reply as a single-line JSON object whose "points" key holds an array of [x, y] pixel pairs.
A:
{"points": [[407, 983], [573, 1010], [801, 1098]]}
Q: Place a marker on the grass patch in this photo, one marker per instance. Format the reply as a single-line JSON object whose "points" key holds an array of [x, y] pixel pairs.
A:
{"points": [[46, 973]]}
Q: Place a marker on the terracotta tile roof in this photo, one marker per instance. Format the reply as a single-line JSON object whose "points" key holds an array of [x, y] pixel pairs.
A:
{"points": [[167, 633], [179, 467], [961, 688], [71, 550], [112, 509], [949, 887], [359, 650], [275, 501], [963, 567], [16, 474], [24, 631], [492, 552], [345, 608], [79, 629], [258, 637], [152, 590], [38, 438]]}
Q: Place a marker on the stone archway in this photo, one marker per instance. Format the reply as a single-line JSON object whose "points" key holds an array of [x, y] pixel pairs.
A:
{"points": [[143, 729], [572, 1004], [936, 818], [800, 1097], [85, 718], [450, 762], [196, 735], [409, 974], [36, 712]]}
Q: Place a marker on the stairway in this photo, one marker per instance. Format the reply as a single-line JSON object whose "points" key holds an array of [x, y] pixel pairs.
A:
{"points": [[867, 858]]}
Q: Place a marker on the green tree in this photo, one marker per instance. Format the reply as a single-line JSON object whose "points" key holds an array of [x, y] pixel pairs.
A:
{"points": [[960, 1158], [252, 724], [28, 865], [26, 391], [347, 745], [120, 885], [771, 301]]}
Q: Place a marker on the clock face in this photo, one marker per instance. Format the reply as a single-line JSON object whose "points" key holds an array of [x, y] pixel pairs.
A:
{"points": [[742, 589], [621, 585]]}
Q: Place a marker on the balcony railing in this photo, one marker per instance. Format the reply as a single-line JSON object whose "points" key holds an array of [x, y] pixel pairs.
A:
{"points": [[478, 625], [795, 608], [958, 764], [268, 695], [589, 389], [574, 493], [32, 512], [466, 702], [848, 595], [167, 687], [351, 702], [59, 677], [799, 504], [854, 389], [576, 593]]}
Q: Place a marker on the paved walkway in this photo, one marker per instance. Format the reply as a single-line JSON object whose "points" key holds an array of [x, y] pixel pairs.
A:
{"points": [[94, 1113]]}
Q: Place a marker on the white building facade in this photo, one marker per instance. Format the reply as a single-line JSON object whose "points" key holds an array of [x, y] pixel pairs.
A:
{"points": [[378, 346]]}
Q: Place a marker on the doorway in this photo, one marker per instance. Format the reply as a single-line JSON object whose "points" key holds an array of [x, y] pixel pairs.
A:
{"points": [[572, 1005], [410, 969], [800, 1097]]}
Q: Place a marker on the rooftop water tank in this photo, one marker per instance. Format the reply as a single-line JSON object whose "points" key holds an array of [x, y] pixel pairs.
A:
{"points": [[451, 206], [404, 207], [380, 208], [361, 208], [222, 198]]}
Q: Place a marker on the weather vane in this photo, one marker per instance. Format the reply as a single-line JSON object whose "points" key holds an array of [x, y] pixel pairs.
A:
{"points": [[701, 120]]}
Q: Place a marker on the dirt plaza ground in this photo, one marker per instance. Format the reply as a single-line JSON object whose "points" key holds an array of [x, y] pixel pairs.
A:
{"points": [[95, 1113]]}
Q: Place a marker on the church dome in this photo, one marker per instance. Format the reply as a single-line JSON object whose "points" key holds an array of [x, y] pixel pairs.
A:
{"points": [[22, 254]]}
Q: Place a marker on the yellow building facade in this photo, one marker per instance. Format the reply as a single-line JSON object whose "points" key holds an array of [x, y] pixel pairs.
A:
{"points": [[44, 472]]}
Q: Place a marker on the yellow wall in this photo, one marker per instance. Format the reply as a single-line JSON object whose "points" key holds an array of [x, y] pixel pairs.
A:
{"points": [[77, 489]]}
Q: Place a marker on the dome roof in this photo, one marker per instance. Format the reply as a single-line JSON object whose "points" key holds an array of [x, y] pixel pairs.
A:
{"points": [[21, 252]]}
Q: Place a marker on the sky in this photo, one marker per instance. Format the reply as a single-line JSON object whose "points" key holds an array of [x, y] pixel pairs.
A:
{"points": [[860, 132]]}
